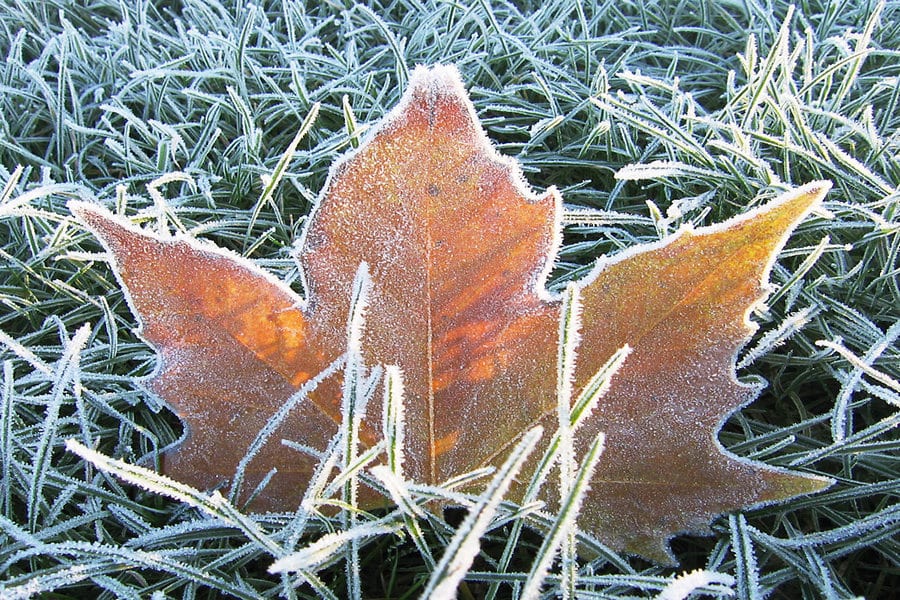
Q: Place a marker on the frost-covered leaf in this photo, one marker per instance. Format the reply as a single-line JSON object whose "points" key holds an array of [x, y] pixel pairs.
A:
{"points": [[459, 248]]}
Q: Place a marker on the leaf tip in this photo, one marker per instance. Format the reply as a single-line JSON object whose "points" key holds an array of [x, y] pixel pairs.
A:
{"points": [[797, 203], [86, 212], [97, 219], [652, 547], [438, 77], [782, 485]]}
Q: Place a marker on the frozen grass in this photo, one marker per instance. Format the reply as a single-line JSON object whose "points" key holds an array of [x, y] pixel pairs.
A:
{"points": [[645, 114]]}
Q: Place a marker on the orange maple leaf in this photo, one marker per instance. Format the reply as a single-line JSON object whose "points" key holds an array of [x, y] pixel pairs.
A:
{"points": [[459, 250]]}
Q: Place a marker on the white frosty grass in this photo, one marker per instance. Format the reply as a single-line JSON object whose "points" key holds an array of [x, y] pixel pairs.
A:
{"points": [[811, 96], [562, 529], [748, 569], [863, 365], [67, 373], [393, 418], [564, 534], [276, 420], [659, 169]]}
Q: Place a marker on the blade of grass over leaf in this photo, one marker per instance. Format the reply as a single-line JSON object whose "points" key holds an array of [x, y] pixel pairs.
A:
{"points": [[353, 408], [214, 504], [464, 546], [276, 420], [582, 407], [563, 530]]}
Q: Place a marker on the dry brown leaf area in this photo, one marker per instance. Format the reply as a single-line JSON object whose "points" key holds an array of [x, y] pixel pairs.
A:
{"points": [[459, 249]]}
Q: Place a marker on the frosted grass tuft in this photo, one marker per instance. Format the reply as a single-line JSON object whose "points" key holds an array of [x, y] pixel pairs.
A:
{"points": [[101, 100], [465, 545], [66, 374]]}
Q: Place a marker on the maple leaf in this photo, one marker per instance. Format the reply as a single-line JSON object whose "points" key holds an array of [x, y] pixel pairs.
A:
{"points": [[459, 250]]}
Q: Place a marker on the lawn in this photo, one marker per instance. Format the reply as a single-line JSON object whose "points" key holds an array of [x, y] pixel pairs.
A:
{"points": [[645, 115]]}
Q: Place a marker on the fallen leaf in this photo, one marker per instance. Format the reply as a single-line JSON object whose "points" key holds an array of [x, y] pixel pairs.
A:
{"points": [[459, 250]]}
